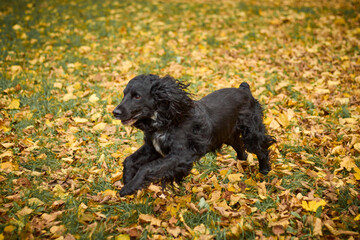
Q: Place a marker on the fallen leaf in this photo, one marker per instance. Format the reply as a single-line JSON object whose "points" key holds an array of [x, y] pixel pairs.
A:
{"points": [[7, 145], [262, 190], [14, 104], [35, 201], [9, 228], [109, 192], [93, 98], [318, 227], [357, 147], [174, 231], [313, 205], [146, 218], [348, 163], [278, 230], [24, 211], [100, 126], [80, 120], [9, 166], [235, 177], [122, 237]]}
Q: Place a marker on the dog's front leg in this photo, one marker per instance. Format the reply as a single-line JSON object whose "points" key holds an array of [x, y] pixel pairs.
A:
{"points": [[132, 163], [168, 168]]}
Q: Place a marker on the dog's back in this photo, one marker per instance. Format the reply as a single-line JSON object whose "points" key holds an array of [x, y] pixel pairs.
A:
{"points": [[223, 108]]}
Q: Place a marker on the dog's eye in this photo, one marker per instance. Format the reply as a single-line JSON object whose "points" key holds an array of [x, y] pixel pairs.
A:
{"points": [[136, 96]]}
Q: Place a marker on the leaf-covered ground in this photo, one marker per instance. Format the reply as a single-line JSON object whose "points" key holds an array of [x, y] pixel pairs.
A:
{"points": [[63, 67]]}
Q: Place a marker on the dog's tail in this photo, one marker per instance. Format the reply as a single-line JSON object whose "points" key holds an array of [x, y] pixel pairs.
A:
{"points": [[245, 86]]}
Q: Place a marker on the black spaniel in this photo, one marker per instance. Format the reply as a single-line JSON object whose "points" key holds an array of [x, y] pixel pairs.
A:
{"points": [[178, 130]]}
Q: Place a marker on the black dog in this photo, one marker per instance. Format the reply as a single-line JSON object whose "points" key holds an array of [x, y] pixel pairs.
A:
{"points": [[179, 131]]}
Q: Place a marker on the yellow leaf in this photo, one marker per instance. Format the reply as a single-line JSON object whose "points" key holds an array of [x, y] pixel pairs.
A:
{"points": [[348, 163], [125, 66], [109, 192], [95, 117], [342, 101], [9, 166], [235, 198], [68, 96], [283, 119], [59, 190], [215, 183], [262, 190], [84, 49], [117, 154], [224, 205], [357, 218], [357, 147], [80, 120], [116, 122], [16, 27], [122, 237], [5, 129], [250, 182], [223, 172], [93, 98], [100, 126], [15, 104], [313, 205], [235, 177], [116, 176], [340, 21], [35, 201], [77, 86], [274, 124], [8, 154], [9, 228], [194, 171], [233, 187], [58, 85], [16, 69], [215, 196], [357, 173], [322, 91], [340, 150]]}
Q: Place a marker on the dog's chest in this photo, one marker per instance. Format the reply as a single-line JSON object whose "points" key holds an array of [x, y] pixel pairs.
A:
{"points": [[159, 140]]}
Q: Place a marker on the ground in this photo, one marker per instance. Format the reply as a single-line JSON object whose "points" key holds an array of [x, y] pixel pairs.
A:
{"points": [[64, 65]]}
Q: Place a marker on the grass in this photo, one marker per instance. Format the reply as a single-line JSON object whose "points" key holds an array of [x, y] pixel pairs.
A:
{"points": [[62, 149]]}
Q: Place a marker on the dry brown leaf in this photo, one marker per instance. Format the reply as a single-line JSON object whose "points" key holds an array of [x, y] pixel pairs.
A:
{"points": [[146, 218]]}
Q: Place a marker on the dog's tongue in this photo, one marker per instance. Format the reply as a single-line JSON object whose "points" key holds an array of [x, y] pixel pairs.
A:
{"points": [[129, 122]]}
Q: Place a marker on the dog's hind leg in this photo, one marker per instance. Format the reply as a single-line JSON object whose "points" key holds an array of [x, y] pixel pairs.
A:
{"points": [[237, 144], [255, 138], [258, 143]]}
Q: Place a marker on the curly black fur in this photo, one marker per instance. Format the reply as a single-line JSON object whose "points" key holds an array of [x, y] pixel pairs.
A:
{"points": [[178, 131]]}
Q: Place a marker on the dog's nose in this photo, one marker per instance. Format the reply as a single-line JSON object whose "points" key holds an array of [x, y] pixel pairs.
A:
{"points": [[117, 112]]}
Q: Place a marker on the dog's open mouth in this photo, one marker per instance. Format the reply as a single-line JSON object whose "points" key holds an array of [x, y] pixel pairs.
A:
{"points": [[132, 120], [129, 122]]}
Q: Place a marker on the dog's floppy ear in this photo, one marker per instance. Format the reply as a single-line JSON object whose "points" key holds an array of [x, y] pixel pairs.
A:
{"points": [[171, 100]]}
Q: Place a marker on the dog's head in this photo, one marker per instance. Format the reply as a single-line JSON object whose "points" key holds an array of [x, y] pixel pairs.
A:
{"points": [[152, 100]]}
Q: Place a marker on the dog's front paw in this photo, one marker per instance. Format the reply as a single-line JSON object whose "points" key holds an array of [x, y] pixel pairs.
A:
{"points": [[242, 156], [126, 190], [265, 170]]}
